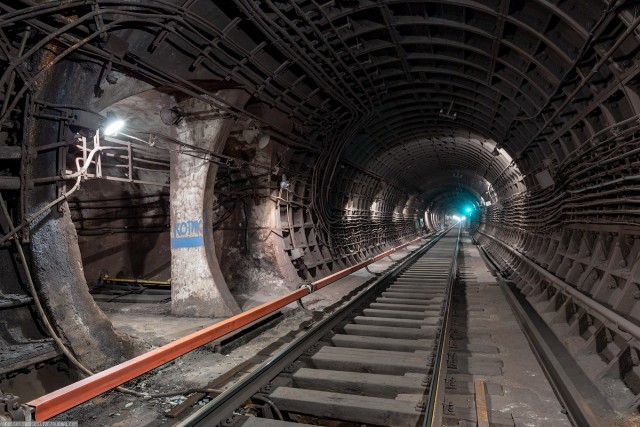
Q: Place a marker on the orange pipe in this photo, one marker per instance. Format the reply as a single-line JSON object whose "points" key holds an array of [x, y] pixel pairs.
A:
{"points": [[63, 399]]}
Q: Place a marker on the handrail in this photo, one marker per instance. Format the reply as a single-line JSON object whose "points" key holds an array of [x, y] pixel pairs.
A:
{"points": [[433, 410], [623, 324], [63, 399]]}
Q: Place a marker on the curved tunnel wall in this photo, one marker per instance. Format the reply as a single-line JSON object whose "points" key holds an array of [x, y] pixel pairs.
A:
{"points": [[378, 112]]}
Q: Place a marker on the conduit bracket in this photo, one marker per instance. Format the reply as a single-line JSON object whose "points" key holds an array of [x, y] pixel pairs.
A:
{"points": [[12, 410], [366, 267], [301, 306], [308, 286]]}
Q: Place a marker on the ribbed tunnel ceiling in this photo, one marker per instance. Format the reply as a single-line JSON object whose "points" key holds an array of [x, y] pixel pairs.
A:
{"points": [[386, 107], [375, 79]]}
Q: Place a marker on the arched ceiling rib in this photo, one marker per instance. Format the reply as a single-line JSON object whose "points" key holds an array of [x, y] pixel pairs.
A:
{"points": [[428, 164], [373, 76]]}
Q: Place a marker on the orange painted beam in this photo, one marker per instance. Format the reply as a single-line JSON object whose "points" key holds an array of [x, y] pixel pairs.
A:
{"points": [[81, 391]]}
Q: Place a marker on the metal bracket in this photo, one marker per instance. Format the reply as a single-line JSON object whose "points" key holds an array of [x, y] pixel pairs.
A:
{"points": [[309, 287], [366, 267], [449, 408], [452, 360], [12, 410], [451, 383]]}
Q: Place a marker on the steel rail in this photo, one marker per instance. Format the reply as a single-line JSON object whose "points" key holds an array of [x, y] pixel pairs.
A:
{"points": [[433, 410], [63, 399], [222, 407], [578, 409]]}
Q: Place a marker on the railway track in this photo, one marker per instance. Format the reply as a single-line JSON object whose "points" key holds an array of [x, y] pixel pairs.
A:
{"points": [[397, 355], [423, 345]]}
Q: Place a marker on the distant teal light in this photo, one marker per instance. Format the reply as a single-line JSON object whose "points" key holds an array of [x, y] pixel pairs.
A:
{"points": [[468, 210]]}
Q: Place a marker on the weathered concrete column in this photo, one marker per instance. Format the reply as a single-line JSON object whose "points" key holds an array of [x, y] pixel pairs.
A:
{"points": [[198, 288]]}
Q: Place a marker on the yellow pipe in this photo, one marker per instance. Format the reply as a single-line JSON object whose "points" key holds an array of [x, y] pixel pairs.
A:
{"points": [[108, 278]]}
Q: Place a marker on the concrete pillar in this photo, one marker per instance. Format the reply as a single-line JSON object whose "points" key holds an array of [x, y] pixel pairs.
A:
{"points": [[198, 288]]}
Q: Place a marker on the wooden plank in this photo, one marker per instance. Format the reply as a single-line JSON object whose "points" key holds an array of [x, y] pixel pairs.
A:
{"points": [[396, 314], [387, 321], [410, 292], [375, 385], [481, 404], [414, 291], [394, 344], [405, 307], [390, 331], [434, 302], [347, 407], [385, 354], [401, 293], [377, 365]]}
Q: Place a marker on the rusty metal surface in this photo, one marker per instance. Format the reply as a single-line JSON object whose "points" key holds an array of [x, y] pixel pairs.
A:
{"points": [[67, 397]]}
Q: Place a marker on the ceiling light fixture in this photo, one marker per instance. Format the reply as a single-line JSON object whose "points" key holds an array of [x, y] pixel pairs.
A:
{"points": [[448, 113], [113, 127]]}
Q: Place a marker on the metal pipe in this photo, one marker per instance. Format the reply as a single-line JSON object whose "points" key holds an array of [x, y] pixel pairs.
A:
{"points": [[108, 278]]}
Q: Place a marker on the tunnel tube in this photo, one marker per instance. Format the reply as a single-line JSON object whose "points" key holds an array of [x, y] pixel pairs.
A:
{"points": [[531, 106]]}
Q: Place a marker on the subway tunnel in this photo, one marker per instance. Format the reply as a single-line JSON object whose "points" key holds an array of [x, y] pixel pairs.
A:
{"points": [[263, 146]]}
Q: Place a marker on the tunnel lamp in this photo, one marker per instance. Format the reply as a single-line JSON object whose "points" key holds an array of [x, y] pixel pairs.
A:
{"points": [[468, 210], [113, 127], [284, 184], [263, 140]]}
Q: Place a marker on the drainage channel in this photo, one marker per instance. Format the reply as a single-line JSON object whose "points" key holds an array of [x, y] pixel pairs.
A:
{"points": [[381, 360]]}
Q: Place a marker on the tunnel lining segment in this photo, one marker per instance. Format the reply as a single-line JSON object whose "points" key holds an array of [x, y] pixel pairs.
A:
{"points": [[198, 287]]}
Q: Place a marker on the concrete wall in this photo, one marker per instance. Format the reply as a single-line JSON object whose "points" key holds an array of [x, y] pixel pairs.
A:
{"points": [[198, 286]]}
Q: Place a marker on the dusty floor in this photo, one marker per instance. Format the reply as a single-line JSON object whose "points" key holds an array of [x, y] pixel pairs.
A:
{"points": [[154, 326], [528, 397]]}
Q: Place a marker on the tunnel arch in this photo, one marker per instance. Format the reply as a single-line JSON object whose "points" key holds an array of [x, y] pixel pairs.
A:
{"points": [[352, 93]]}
